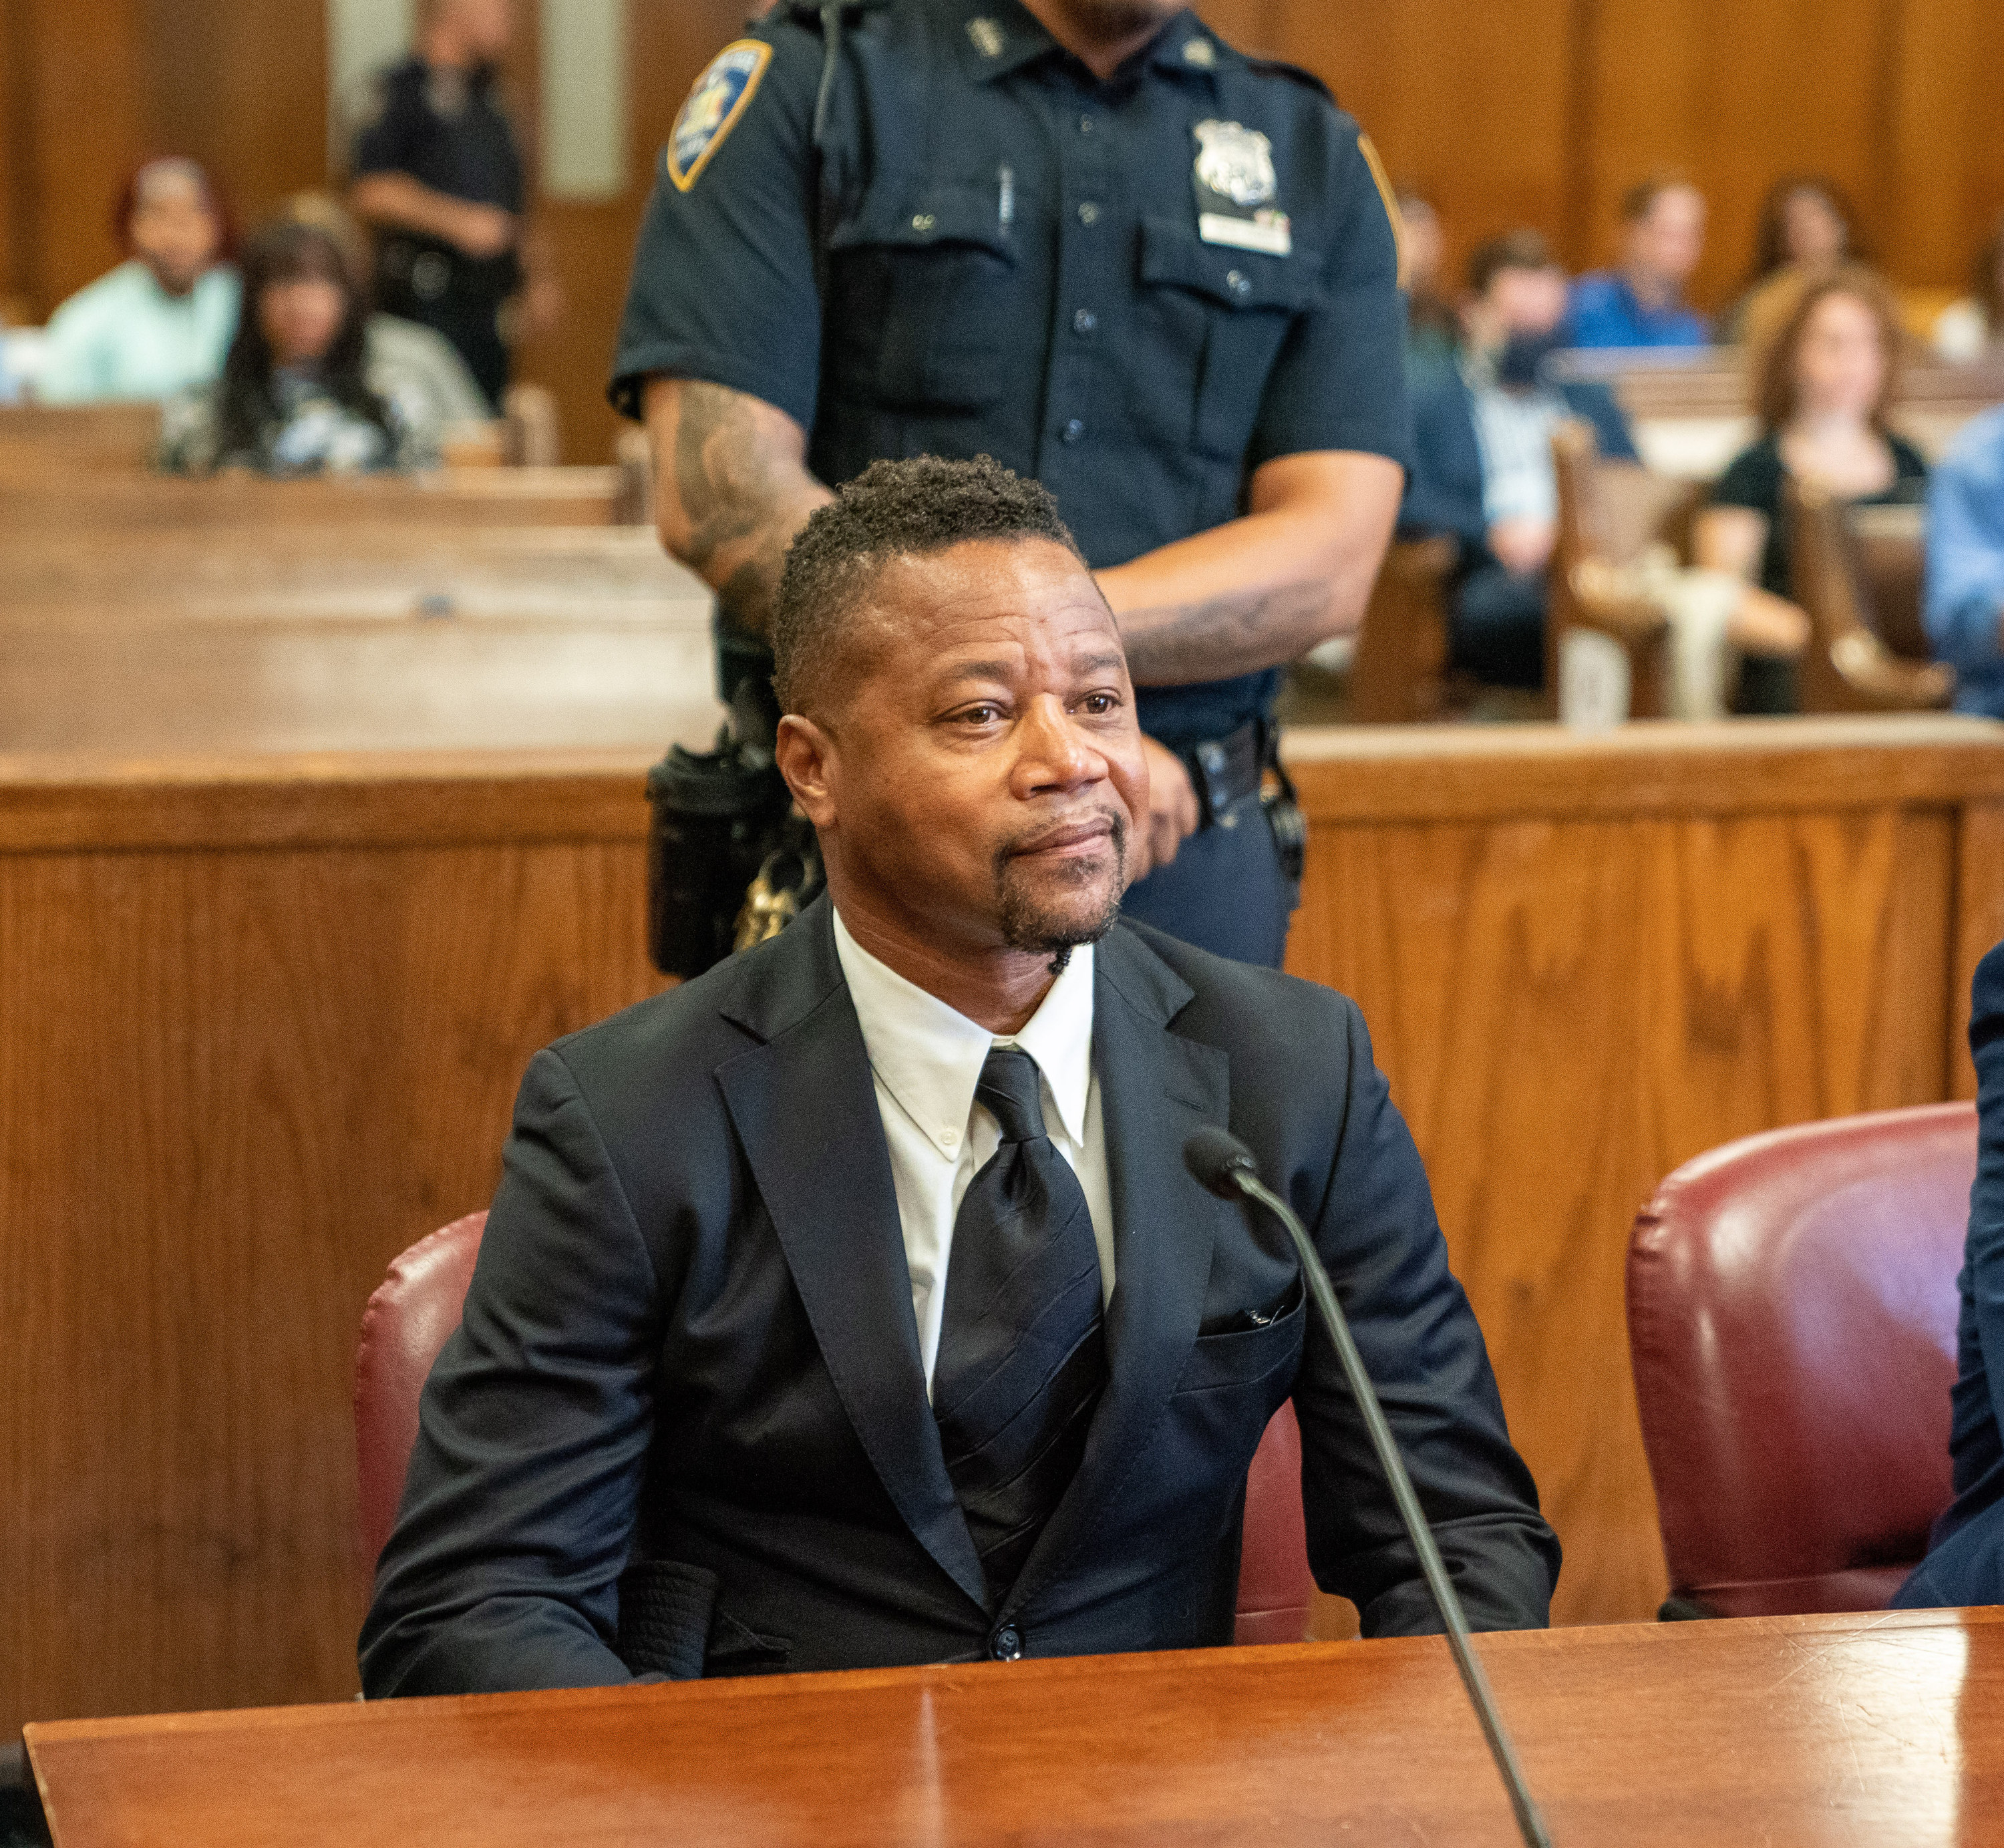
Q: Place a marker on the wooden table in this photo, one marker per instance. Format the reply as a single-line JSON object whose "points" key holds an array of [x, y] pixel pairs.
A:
{"points": [[1879, 1730]]}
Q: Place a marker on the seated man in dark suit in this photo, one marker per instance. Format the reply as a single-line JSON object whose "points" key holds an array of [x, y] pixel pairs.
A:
{"points": [[1965, 1562], [1482, 457], [851, 1304]]}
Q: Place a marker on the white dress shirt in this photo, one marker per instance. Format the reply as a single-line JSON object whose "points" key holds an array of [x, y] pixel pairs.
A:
{"points": [[926, 1060]]}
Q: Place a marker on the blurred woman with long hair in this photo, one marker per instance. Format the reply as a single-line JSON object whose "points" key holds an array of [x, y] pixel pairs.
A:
{"points": [[295, 397]]}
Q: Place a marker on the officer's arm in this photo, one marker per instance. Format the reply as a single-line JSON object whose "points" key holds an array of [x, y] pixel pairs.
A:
{"points": [[403, 204], [1263, 590], [731, 489]]}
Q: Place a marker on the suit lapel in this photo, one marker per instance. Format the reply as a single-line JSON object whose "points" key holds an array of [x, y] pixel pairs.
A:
{"points": [[804, 1108], [1155, 1091]]}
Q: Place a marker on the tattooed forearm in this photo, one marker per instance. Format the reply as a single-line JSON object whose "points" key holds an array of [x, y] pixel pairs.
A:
{"points": [[733, 487], [1224, 636]]}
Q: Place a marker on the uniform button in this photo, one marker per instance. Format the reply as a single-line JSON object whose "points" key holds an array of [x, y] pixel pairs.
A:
{"points": [[1085, 321], [1088, 213], [1007, 1644], [1238, 283], [1074, 429]]}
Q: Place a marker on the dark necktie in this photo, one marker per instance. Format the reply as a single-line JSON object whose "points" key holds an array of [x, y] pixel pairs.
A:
{"points": [[1021, 1355]]}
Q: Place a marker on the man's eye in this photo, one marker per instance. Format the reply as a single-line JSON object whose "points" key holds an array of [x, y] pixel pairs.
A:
{"points": [[982, 715], [1099, 705]]}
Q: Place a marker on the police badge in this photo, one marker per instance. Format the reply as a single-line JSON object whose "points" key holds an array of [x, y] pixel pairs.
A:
{"points": [[1234, 183], [715, 101]]}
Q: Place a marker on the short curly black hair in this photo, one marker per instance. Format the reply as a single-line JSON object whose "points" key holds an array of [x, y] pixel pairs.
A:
{"points": [[892, 510]]}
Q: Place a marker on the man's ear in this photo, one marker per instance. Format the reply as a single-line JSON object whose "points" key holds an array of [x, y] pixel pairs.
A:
{"points": [[805, 755]]}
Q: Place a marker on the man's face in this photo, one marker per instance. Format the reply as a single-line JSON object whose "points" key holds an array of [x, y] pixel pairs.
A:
{"points": [[1527, 301], [175, 231], [1669, 239], [488, 24], [981, 765]]}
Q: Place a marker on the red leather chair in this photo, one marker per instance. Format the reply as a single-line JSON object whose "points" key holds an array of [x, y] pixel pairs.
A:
{"points": [[417, 1306], [1792, 1317]]}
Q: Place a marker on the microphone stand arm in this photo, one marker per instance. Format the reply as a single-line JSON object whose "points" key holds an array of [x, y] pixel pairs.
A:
{"points": [[1530, 1824]]}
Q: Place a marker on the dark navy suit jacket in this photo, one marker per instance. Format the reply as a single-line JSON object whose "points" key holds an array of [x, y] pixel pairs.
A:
{"points": [[689, 1349], [1444, 493], [1965, 1564]]}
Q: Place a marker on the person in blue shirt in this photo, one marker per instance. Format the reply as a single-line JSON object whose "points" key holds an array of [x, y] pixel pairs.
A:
{"points": [[1641, 304], [1965, 1560], [1965, 583], [1099, 245], [160, 322], [1482, 472]]}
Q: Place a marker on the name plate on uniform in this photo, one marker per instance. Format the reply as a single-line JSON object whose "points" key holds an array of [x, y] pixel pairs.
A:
{"points": [[1235, 184]]}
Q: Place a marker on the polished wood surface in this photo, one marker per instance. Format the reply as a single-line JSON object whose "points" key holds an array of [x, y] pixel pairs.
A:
{"points": [[1790, 1732], [261, 1019], [1583, 960]]}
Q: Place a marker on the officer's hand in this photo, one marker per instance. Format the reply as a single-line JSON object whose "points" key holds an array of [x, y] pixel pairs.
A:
{"points": [[483, 230], [1172, 811]]}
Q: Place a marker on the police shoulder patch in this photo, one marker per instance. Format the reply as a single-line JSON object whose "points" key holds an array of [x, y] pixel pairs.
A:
{"points": [[715, 101]]}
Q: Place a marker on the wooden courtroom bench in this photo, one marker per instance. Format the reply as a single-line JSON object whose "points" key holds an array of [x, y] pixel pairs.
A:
{"points": [[76, 503], [346, 638], [125, 436], [261, 1019]]}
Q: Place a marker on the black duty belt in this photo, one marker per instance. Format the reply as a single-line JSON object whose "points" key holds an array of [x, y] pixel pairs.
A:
{"points": [[1226, 770]]}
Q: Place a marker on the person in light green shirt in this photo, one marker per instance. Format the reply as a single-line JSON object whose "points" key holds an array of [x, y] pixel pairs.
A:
{"points": [[160, 322]]}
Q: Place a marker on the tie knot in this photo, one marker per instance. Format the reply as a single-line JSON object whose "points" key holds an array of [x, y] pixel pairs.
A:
{"points": [[1008, 1087]]}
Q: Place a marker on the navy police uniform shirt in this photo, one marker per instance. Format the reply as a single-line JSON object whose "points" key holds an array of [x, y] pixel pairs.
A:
{"points": [[446, 129], [1137, 291]]}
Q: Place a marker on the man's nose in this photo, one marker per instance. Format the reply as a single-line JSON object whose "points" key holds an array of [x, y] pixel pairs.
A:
{"points": [[1052, 751]]}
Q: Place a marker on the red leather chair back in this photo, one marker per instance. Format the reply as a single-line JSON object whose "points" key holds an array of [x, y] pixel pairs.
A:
{"points": [[1792, 1320], [417, 1307], [414, 1310], [1274, 1582]]}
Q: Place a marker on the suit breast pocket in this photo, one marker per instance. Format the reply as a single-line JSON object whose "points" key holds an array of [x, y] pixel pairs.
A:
{"points": [[1228, 310], [923, 311], [1247, 1356]]}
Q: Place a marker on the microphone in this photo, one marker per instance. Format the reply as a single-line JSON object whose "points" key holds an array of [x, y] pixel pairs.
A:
{"points": [[1224, 1166]]}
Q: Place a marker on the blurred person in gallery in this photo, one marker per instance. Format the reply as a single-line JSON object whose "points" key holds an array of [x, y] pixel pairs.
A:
{"points": [[1641, 303], [1433, 332], [295, 397], [1806, 228], [1972, 329], [1483, 471], [1822, 386], [1964, 606], [161, 322]]}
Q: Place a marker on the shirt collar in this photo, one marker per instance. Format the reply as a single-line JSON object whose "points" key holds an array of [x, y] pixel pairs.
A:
{"points": [[929, 1056]]}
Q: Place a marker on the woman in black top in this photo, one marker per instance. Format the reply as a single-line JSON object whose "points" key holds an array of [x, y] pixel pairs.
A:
{"points": [[1821, 390]]}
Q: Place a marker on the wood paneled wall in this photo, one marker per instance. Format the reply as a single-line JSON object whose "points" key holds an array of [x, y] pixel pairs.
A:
{"points": [[1541, 112]]}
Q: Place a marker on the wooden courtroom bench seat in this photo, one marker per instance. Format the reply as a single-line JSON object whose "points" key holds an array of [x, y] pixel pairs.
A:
{"points": [[261, 1019], [67, 502]]}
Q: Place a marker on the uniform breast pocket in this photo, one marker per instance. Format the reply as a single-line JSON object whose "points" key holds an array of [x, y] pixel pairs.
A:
{"points": [[922, 310], [1234, 308]]}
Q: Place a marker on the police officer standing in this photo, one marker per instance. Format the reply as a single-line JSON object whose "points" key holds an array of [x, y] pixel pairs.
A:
{"points": [[1089, 239], [438, 172]]}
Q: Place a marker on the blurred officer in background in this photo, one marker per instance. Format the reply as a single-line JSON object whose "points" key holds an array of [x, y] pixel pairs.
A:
{"points": [[438, 172], [1085, 237]]}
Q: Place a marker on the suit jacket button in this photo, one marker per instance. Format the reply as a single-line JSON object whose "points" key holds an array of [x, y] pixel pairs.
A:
{"points": [[1007, 1643]]}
